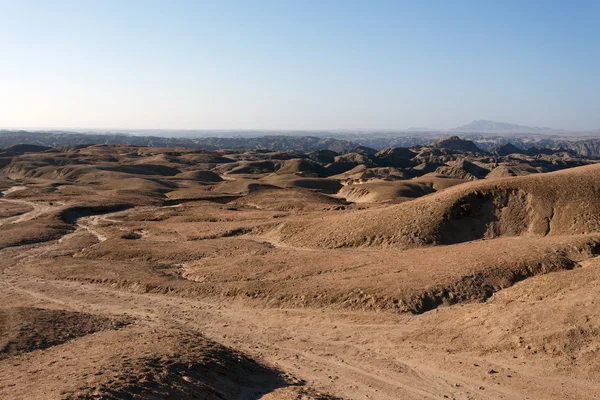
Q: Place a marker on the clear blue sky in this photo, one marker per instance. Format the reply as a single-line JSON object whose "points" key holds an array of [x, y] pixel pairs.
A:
{"points": [[298, 64]]}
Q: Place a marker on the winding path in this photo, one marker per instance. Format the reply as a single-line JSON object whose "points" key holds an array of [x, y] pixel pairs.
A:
{"points": [[38, 208]]}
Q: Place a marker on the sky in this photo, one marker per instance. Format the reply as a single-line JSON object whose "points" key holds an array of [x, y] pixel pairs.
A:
{"points": [[298, 64]]}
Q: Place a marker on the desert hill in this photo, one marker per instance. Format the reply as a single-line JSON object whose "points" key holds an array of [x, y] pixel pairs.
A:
{"points": [[506, 149], [456, 143], [436, 270], [559, 203]]}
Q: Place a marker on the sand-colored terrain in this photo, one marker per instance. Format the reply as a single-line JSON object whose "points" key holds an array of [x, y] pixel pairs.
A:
{"points": [[139, 273]]}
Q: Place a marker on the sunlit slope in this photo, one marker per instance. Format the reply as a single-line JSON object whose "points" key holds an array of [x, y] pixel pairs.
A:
{"points": [[560, 203]]}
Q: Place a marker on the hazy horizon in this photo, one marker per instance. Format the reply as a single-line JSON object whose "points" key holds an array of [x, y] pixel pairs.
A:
{"points": [[288, 130], [310, 66]]}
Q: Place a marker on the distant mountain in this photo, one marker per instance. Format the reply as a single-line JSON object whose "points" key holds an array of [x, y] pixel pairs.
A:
{"points": [[484, 126]]}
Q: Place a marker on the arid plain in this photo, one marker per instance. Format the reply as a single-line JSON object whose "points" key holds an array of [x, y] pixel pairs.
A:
{"points": [[433, 272]]}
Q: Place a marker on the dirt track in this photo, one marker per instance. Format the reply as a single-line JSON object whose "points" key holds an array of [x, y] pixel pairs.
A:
{"points": [[38, 208]]}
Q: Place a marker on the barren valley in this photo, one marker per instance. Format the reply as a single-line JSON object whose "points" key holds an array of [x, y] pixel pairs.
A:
{"points": [[439, 271]]}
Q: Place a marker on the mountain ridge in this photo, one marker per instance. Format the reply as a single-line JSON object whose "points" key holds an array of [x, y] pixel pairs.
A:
{"points": [[487, 126]]}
